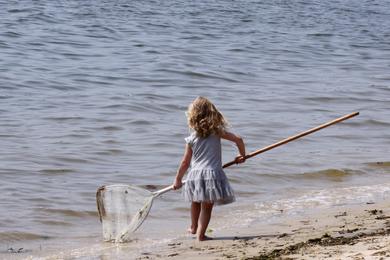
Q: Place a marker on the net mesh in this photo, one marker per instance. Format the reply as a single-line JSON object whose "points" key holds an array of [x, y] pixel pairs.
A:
{"points": [[122, 209]]}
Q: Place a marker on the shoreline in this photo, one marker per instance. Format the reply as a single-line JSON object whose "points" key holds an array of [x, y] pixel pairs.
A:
{"points": [[359, 231], [349, 232]]}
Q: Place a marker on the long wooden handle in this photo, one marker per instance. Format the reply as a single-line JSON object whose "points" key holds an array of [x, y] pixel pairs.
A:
{"points": [[294, 137]]}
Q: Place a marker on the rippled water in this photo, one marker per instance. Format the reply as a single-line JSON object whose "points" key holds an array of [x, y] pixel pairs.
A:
{"points": [[94, 92]]}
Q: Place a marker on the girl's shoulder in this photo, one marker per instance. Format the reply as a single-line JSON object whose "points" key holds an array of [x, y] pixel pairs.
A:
{"points": [[191, 139]]}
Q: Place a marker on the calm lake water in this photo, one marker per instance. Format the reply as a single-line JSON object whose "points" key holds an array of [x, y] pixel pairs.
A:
{"points": [[94, 93]]}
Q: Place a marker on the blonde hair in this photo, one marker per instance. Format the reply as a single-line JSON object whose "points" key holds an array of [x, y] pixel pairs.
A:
{"points": [[205, 118]]}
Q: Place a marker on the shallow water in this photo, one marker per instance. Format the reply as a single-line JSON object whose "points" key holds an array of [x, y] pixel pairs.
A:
{"points": [[94, 93]]}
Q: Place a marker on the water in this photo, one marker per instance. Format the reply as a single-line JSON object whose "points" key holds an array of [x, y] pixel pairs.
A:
{"points": [[94, 93]]}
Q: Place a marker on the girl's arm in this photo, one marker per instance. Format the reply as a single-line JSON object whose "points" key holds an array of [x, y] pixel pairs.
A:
{"points": [[239, 142], [185, 163]]}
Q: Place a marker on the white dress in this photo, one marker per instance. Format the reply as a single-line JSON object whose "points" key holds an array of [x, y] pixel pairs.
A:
{"points": [[206, 180]]}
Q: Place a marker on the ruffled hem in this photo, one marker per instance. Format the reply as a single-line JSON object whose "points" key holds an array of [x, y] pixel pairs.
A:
{"points": [[208, 185]]}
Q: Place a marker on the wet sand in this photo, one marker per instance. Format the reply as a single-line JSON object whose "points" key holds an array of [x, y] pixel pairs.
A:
{"points": [[353, 232], [361, 231]]}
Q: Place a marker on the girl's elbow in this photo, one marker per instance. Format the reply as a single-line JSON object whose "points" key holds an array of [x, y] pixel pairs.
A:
{"points": [[185, 163], [240, 139]]}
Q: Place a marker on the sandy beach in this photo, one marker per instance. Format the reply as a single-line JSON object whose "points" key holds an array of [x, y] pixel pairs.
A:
{"points": [[353, 232], [94, 93]]}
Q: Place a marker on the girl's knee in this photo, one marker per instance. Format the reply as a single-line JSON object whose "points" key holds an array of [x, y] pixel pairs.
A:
{"points": [[196, 204], [206, 204]]}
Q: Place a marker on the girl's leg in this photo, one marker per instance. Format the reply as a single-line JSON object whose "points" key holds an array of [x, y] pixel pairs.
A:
{"points": [[195, 211], [205, 215]]}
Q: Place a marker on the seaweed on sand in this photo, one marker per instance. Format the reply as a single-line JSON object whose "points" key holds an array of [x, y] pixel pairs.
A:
{"points": [[325, 240]]}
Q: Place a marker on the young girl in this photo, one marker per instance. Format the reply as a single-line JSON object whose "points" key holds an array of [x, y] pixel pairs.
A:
{"points": [[206, 182]]}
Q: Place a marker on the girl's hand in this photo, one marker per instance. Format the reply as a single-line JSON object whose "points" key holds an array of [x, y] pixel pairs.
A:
{"points": [[177, 184], [240, 159]]}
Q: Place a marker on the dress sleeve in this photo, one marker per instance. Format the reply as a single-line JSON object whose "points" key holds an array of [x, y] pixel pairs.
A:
{"points": [[189, 140]]}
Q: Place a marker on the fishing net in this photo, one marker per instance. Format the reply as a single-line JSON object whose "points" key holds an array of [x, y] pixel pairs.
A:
{"points": [[122, 209]]}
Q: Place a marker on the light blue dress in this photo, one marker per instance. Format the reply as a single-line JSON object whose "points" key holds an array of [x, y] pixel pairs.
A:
{"points": [[206, 180]]}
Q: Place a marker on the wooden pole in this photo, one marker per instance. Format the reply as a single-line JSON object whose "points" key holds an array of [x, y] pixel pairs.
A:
{"points": [[294, 137]]}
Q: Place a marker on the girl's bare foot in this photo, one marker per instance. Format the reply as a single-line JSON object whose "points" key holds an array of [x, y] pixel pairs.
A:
{"points": [[204, 238], [191, 230]]}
